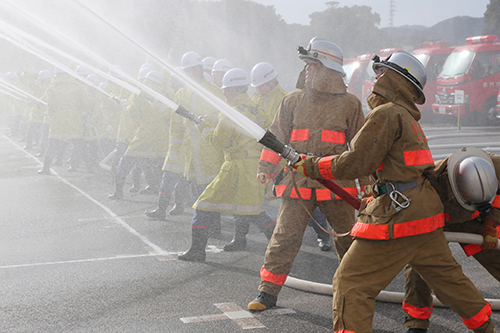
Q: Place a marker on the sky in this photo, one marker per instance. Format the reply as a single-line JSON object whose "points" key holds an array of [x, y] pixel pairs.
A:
{"points": [[411, 12]]}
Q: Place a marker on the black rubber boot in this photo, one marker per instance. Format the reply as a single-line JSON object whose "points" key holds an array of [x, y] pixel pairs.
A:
{"points": [[416, 330], [136, 180], [263, 301], [196, 252], [178, 209], [118, 193], [160, 213], [324, 240], [239, 242], [46, 166]]}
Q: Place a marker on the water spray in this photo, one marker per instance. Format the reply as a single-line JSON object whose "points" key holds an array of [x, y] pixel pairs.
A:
{"points": [[18, 91], [161, 98], [264, 137]]}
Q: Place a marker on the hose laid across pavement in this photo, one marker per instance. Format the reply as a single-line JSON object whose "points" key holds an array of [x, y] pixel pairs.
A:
{"points": [[390, 296]]}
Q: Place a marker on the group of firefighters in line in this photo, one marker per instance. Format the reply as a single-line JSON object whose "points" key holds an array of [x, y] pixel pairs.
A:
{"points": [[207, 156]]}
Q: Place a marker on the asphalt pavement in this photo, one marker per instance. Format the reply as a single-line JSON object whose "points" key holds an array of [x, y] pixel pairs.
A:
{"points": [[73, 260]]}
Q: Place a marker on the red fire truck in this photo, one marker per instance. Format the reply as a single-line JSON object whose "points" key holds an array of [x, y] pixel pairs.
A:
{"points": [[475, 70], [360, 75], [355, 70], [432, 55]]}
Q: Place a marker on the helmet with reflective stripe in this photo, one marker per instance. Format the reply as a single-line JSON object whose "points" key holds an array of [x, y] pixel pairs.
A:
{"points": [[190, 59], [407, 65], [234, 78], [328, 53], [222, 65], [261, 73], [472, 178]]}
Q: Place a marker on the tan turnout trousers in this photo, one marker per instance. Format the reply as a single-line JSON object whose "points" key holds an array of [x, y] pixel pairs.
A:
{"points": [[380, 261]]}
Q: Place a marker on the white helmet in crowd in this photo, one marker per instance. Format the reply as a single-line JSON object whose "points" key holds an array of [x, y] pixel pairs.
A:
{"points": [[190, 59], [262, 73], [407, 65], [326, 52], [222, 65], [83, 70], [45, 74], [472, 178], [94, 79], [143, 72], [234, 78], [208, 63], [155, 77]]}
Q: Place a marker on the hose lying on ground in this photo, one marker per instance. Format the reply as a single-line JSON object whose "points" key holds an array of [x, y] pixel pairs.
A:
{"points": [[390, 296]]}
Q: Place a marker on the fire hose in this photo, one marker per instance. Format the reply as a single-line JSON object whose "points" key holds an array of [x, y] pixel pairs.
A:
{"points": [[391, 296], [269, 140]]}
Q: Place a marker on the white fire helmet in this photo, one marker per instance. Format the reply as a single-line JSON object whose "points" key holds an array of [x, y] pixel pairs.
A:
{"points": [[155, 76], [407, 65], [208, 63], [222, 65], [83, 70], [190, 59], [94, 79], [262, 73], [143, 72], [472, 178], [326, 52], [45, 74], [235, 77]]}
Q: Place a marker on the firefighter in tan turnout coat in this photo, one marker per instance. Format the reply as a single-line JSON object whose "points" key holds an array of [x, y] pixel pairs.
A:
{"points": [[320, 118], [403, 223]]}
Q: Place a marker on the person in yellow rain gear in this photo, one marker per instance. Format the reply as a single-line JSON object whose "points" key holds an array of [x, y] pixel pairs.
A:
{"points": [[235, 189]]}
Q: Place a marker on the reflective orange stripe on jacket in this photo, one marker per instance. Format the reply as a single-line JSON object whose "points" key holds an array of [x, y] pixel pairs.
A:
{"points": [[270, 156], [325, 167], [478, 319], [496, 202], [333, 137], [344, 331], [299, 135], [302, 134], [418, 157], [416, 312], [405, 229], [278, 279]]}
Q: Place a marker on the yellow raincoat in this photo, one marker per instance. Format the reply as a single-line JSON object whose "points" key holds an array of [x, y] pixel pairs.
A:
{"points": [[190, 154], [235, 189]]}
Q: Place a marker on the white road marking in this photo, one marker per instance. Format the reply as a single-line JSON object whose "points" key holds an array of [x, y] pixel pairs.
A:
{"points": [[156, 250], [245, 319]]}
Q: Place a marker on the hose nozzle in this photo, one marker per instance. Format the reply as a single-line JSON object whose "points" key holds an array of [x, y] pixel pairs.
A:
{"points": [[272, 142]]}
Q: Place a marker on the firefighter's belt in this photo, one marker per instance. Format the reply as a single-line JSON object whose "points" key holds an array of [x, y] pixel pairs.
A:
{"points": [[389, 187]]}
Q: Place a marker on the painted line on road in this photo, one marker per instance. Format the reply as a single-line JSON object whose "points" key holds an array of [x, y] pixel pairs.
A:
{"points": [[245, 319], [77, 261], [164, 256], [156, 249]]}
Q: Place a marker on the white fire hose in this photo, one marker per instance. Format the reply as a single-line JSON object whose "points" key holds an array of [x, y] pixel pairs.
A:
{"points": [[390, 296]]}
